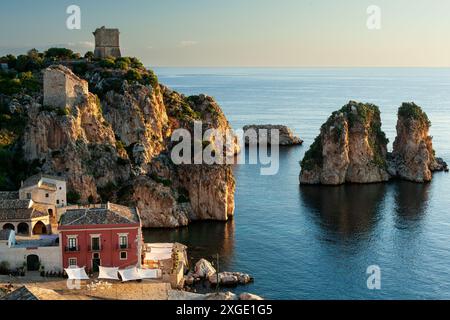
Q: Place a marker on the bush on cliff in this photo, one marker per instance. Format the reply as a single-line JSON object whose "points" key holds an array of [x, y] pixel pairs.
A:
{"points": [[414, 112]]}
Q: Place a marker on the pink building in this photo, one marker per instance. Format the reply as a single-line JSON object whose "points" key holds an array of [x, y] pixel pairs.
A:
{"points": [[107, 235]]}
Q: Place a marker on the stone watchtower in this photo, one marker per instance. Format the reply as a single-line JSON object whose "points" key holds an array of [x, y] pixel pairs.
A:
{"points": [[62, 88], [107, 43]]}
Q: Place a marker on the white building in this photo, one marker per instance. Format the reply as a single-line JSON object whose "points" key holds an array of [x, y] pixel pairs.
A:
{"points": [[42, 188]]}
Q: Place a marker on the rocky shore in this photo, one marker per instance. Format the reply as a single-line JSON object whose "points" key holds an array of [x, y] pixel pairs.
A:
{"points": [[352, 148], [263, 135]]}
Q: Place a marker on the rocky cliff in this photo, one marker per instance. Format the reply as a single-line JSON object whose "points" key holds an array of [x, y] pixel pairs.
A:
{"points": [[114, 145], [351, 148], [413, 157]]}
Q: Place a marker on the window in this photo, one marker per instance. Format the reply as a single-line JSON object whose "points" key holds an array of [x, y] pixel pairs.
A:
{"points": [[95, 243], [28, 196], [123, 255], [57, 201], [72, 243], [72, 262], [123, 241], [46, 195]]}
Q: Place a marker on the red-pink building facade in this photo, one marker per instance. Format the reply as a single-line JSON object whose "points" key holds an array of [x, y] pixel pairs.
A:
{"points": [[108, 236]]}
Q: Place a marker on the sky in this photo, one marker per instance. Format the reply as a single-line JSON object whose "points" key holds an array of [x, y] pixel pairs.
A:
{"points": [[234, 33]]}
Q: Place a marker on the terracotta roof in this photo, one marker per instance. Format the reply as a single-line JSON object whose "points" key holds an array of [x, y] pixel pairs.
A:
{"points": [[15, 204], [9, 195], [20, 210], [110, 214]]}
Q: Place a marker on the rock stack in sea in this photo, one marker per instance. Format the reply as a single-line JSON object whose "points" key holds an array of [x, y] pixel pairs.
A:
{"points": [[413, 157], [263, 134], [352, 148]]}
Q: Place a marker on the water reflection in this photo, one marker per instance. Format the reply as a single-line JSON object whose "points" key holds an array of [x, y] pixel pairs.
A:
{"points": [[411, 202], [204, 239], [347, 211]]}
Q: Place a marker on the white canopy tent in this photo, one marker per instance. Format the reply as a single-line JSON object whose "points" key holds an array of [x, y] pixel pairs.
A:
{"points": [[150, 273], [108, 273], [76, 274], [130, 274]]}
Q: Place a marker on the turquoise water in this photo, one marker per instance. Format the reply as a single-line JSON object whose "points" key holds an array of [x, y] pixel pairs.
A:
{"points": [[317, 242]]}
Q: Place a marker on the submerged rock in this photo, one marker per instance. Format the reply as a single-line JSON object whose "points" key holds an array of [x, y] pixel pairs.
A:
{"points": [[413, 157], [351, 148], [263, 135]]}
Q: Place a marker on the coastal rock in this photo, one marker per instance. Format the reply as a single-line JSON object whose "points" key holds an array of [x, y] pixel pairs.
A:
{"points": [[413, 157], [264, 135], [230, 278], [249, 297], [204, 268], [225, 296], [351, 148], [113, 144]]}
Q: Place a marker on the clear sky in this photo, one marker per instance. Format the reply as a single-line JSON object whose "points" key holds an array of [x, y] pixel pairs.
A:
{"points": [[241, 32]]}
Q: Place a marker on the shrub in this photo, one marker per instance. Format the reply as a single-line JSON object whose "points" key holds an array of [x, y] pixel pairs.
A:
{"points": [[122, 65], [73, 197], [150, 78], [107, 63], [80, 68], [133, 75], [89, 55], [60, 54]]}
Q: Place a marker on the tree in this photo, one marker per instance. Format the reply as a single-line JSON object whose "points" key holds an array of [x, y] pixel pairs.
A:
{"points": [[89, 55]]}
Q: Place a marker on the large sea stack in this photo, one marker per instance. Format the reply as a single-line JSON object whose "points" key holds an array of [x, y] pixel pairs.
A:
{"points": [[351, 148], [413, 157]]}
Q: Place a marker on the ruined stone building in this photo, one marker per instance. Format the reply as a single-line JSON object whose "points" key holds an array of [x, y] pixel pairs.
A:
{"points": [[62, 89], [107, 43]]}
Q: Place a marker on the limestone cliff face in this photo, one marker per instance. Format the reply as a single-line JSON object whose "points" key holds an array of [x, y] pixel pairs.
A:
{"points": [[116, 148], [413, 157], [350, 148]]}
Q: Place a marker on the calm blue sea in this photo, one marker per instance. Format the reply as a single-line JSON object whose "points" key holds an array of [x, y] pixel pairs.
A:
{"points": [[317, 242]]}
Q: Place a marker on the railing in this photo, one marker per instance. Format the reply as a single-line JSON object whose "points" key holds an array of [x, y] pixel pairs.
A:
{"points": [[123, 246], [95, 248], [72, 249]]}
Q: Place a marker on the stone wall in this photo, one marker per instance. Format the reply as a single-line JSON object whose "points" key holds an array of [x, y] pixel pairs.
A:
{"points": [[62, 88], [50, 257], [107, 43]]}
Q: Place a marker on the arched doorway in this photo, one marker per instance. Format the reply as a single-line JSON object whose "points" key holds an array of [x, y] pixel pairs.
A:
{"points": [[23, 229], [33, 263], [9, 226], [39, 228]]}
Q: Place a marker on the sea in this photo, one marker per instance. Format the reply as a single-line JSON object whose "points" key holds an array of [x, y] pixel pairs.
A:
{"points": [[317, 242]]}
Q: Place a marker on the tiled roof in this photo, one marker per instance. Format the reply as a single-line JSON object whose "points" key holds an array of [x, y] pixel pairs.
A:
{"points": [[34, 180], [9, 195], [20, 210], [15, 204], [111, 214], [4, 234]]}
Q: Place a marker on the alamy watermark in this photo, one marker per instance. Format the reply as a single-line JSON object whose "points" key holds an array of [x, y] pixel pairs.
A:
{"points": [[374, 18], [374, 280], [214, 146], [73, 22]]}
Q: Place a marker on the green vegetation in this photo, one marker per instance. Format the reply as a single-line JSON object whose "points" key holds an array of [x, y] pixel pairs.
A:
{"points": [[73, 197], [413, 111], [13, 83], [313, 157], [61, 54], [158, 179], [181, 108]]}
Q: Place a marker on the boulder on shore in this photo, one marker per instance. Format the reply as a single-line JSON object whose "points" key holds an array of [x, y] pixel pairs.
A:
{"points": [[249, 296], [204, 269], [262, 134], [230, 278]]}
